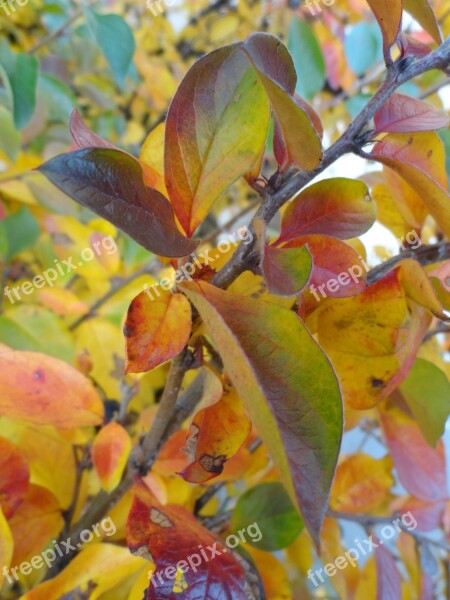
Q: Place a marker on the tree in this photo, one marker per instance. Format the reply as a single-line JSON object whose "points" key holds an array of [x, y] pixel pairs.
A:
{"points": [[279, 338]]}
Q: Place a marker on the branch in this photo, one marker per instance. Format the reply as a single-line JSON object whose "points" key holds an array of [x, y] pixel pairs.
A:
{"points": [[425, 255], [293, 181]]}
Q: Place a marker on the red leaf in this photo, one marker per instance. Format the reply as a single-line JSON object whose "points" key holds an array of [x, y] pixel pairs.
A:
{"points": [[111, 183], [402, 114], [83, 136], [389, 582], [421, 469], [171, 536], [14, 477]]}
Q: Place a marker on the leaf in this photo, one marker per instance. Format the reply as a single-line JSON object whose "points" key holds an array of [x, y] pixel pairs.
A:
{"points": [[156, 329], [6, 546], [403, 114], [389, 583], [388, 13], [21, 72], [308, 58], [116, 41], [372, 339], [215, 435], [11, 139], [286, 271], [363, 47], [110, 183], [274, 363], [37, 521], [361, 484], [423, 13], [46, 391], [338, 207], [420, 159], [34, 328], [276, 72], [14, 477], [22, 230], [83, 136], [170, 535], [421, 469], [337, 272], [426, 391], [110, 452], [105, 565], [269, 505], [216, 128], [49, 455], [152, 155]]}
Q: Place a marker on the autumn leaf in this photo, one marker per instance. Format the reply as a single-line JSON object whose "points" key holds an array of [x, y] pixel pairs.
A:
{"points": [[276, 72], [299, 419], [156, 329], [110, 452], [215, 435], [421, 469], [46, 391], [172, 538], [423, 13], [389, 16], [37, 521], [389, 582], [219, 105], [361, 483], [111, 183], [420, 159], [403, 114], [372, 339], [336, 207], [14, 477], [337, 270], [286, 271], [6, 545]]}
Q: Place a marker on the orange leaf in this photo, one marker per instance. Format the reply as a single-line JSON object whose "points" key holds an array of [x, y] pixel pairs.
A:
{"points": [[14, 477], [420, 159], [216, 434], [110, 453], [423, 13], [37, 521], [361, 483], [46, 391], [388, 13], [156, 330]]}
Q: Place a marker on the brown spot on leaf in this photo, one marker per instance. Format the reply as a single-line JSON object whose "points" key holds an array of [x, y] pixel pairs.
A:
{"points": [[213, 464], [39, 375], [376, 383]]}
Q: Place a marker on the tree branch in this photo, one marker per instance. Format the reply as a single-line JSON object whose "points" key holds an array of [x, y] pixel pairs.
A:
{"points": [[293, 181]]}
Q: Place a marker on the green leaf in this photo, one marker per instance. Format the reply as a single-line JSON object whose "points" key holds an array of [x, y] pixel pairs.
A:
{"points": [[116, 41], [270, 507], [36, 329], [308, 58], [21, 71], [10, 138], [276, 72], [216, 129], [288, 387], [59, 98], [22, 231], [426, 391], [363, 47]]}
